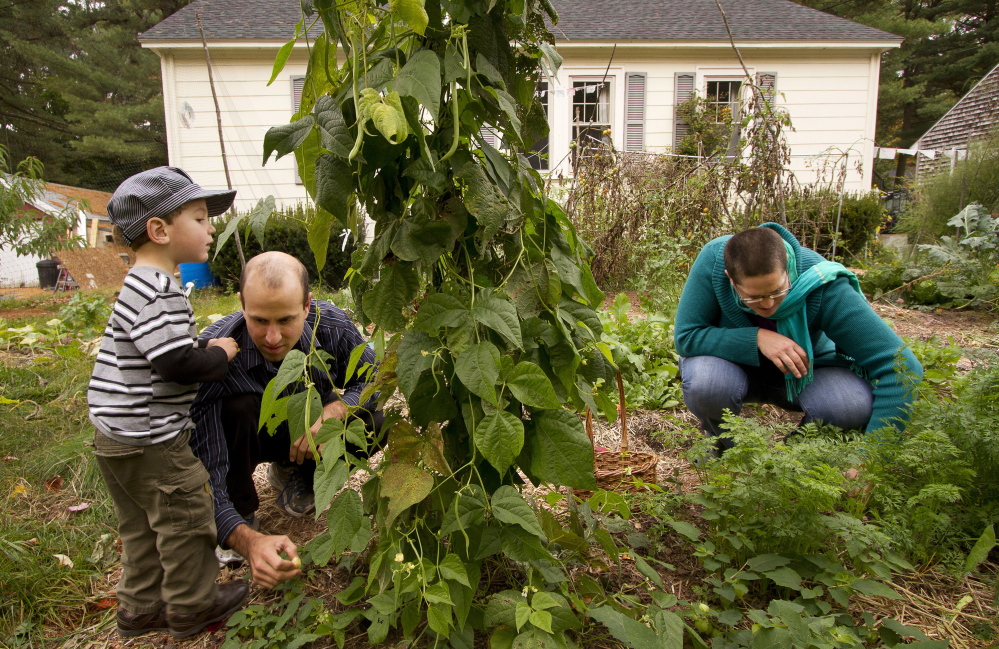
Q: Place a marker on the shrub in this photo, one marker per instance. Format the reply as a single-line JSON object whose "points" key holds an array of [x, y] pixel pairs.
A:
{"points": [[288, 234], [942, 194], [811, 217]]}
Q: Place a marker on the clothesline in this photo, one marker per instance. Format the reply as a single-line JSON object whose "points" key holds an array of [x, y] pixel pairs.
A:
{"points": [[887, 153]]}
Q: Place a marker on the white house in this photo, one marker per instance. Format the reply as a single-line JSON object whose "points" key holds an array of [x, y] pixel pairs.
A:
{"points": [[824, 70]]}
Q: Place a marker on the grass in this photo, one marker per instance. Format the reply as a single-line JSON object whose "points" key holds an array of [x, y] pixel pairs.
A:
{"points": [[46, 436]]}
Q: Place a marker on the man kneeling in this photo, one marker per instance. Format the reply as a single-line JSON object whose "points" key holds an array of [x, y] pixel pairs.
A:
{"points": [[762, 319], [278, 315]]}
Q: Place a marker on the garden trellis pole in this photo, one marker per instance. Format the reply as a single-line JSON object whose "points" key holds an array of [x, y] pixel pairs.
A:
{"points": [[218, 121]]}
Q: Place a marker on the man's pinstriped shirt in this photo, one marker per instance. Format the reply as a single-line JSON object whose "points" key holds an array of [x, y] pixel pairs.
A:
{"points": [[129, 401], [249, 373]]}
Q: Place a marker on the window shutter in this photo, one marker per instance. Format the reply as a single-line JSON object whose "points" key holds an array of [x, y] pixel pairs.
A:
{"points": [[683, 90], [297, 84], [767, 81], [634, 111], [489, 136]]}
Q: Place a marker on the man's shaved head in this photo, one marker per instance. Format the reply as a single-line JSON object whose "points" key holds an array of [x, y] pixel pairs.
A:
{"points": [[274, 270]]}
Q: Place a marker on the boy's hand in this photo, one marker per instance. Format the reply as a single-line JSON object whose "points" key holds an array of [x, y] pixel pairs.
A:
{"points": [[230, 346]]}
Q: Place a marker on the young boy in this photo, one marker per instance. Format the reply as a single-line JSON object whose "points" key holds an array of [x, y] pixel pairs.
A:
{"points": [[144, 381]]}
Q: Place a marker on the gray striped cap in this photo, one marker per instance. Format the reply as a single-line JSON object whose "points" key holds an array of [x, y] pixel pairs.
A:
{"points": [[157, 192]]}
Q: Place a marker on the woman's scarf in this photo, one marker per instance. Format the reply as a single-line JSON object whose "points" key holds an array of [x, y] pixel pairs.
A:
{"points": [[791, 316]]}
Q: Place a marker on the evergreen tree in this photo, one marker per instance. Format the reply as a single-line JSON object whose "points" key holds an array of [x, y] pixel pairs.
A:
{"points": [[949, 46], [102, 91]]}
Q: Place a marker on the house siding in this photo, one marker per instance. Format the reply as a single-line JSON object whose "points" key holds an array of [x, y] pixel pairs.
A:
{"points": [[829, 94]]}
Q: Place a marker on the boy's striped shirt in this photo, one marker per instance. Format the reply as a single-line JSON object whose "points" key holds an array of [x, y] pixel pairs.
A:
{"points": [[129, 402]]}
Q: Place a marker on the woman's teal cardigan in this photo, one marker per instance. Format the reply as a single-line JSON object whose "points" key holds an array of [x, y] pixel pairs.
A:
{"points": [[845, 330]]}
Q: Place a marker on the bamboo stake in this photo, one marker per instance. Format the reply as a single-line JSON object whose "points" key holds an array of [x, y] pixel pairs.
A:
{"points": [[623, 410], [218, 121]]}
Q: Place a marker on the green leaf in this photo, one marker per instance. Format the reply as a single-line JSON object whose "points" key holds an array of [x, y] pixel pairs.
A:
{"points": [[419, 239], [499, 315], [981, 549], [873, 588], [488, 70], [669, 627], [542, 620], [509, 106], [303, 411], [647, 571], [282, 58], [422, 171], [333, 130], [420, 78], [328, 481], [606, 542], [416, 354], [321, 549], [230, 227], [631, 633], [561, 452], [292, 369], [510, 507], [286, 138], [772, 638], [785, 577], [439, 619], [412, 13], [500, 438], [489, 207], [334, 189], [467, 509], [345, 519], [531, 386], [440, 310], [454, 64], [522, 614], [319, 236], [543, 601], [453, 569], [395, 291], [765, 562], [521, 545], [478, 369], [404, 485], [439, 593], [501, 609], [731, 617], [537, 639], [258, 217], [389, 118], [436, 402]]}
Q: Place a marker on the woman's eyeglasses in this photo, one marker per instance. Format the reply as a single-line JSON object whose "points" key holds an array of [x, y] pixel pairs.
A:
{"points": [[772, 296]]}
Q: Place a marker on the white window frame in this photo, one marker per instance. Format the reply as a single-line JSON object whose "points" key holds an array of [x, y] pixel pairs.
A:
{"points": [[560, 110]]}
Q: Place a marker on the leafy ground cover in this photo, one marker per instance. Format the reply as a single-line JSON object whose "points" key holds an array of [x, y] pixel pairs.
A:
{"points": [[772, 544]]}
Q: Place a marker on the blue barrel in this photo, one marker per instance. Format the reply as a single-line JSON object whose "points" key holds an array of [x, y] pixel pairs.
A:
{"points": [[197, 273]]}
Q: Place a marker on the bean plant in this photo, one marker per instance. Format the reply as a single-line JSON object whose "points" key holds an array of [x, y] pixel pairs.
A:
{"points": [[483, 308]]}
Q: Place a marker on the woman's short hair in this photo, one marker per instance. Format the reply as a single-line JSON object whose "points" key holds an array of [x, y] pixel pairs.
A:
{"points": [[754, 252]]}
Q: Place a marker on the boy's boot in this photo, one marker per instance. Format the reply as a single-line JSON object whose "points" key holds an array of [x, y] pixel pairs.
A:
{"points": [[229, 599], [133, 624]]}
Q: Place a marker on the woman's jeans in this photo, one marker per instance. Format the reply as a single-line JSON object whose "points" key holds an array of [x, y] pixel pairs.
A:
{"points": [[711, 385]]}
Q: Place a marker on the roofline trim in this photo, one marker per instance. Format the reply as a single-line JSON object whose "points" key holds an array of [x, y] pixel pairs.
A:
{"points": [[883, 44]]}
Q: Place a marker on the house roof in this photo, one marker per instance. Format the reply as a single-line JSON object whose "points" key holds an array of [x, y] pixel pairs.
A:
{"points": [[60, 195], [579, 20], [971, 118]]}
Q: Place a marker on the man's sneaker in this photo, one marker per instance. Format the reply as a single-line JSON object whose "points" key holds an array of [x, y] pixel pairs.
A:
{"points": [[228, 600], [295, 495], [133, 624], [230, 557]]}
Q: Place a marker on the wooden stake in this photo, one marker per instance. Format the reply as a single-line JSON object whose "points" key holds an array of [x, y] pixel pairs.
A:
{"points": [[623, 412], [218, 120]]}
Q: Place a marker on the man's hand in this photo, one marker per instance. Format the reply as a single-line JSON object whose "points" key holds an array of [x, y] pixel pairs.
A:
{"points": [[228, 344], [784, 352], [300, 450], [267, 567]]}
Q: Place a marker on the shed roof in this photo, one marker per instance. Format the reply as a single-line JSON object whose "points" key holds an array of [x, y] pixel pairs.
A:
{"points": [[971, 118], [579, 20]]}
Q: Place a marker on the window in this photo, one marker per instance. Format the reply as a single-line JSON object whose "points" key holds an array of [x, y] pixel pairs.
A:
{"points": [[723, 108], [297, 85], [537, 155], [591, 114]]}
